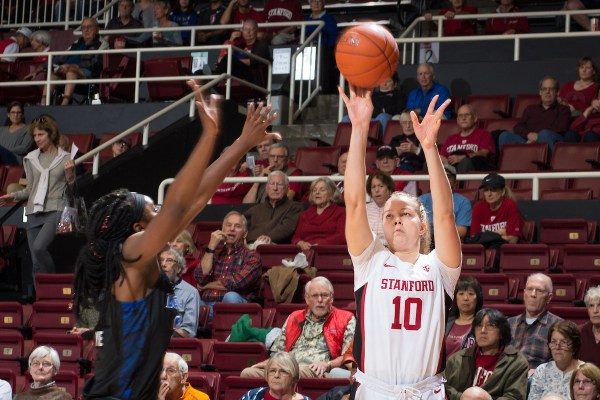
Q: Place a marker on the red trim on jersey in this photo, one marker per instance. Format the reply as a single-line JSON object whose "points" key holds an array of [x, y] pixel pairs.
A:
{"points": [[362, 326]]}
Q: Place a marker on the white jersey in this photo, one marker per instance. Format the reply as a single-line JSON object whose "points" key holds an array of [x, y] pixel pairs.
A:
{"points": [[401, 310]]}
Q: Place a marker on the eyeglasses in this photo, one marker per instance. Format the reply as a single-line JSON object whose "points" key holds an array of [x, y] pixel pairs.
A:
{"points": [[563, 344], [170, 371], [531, 290], [248, 30], [167, 261], [276, 184], [45, 364], [276, 157], [584, 382], [317, 296], [467, 115], [275, 371], [487, 326]]}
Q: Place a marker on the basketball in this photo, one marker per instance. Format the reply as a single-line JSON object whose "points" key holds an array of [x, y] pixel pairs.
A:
{"points": [[366, 55]]}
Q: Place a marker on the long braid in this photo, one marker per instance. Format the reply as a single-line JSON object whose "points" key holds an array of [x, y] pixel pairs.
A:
{"points": [[99, 264]]}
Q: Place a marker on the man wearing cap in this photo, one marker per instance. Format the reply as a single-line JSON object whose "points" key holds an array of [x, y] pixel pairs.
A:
{"points": [[15, 43], [462, 205], [121, 146], [387, 162], [497, 212], [470, 149]]}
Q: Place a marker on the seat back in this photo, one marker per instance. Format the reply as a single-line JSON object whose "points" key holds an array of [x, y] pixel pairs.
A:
{"points": [[500, 124], [283, 310], [52, 316], [567, 194], [576, 314], [190, 349], [315, 387], [69, 348], [227, 314], [522, 157], [273, 254], [8, 237], [314, 160], [235, 387], [54, 286], [206, 382], [165, 90], [392, 129], [581, 258], [13, 174], [494, 286], [528, 232], [587, 183], [83, 141], [563, 231], [576, 156], [490, 106], [332, 258], [448, 128], [202, 230], [12, 347], [230, 358], [343, 286], [522, 101], [344, 130], [117, 66], [11, 315], [524, 258], [473, 257], [8, 375]]}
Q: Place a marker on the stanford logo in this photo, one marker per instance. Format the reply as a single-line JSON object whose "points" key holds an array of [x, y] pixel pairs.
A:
{"points": [[352, 41], [426, 268]]}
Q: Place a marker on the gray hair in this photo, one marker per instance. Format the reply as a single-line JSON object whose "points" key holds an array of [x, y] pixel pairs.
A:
{"points": [[43, 351], [319, 279], [43, 37], [593, 293], [182, 366], [287, 362], [544, 277], [332, 189], [428, 65], [239, 214], [280, 145], [553, 396], [551, 78], [279, 173], [179, 260]]}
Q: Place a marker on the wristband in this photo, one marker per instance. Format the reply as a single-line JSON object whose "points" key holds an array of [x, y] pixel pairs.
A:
{"points": [[208, 250]]}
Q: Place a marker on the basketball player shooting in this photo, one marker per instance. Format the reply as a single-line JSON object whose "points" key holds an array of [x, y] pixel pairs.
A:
{"points": [[401, 291]]}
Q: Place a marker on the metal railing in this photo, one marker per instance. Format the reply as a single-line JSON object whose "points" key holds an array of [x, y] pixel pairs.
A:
{"points": [[535, 177]]}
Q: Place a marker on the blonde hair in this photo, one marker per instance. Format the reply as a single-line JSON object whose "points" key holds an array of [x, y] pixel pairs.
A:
{"points": [[186, 238], [425, 241]]}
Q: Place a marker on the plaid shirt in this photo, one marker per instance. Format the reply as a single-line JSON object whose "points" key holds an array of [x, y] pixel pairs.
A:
{"points": [[239, 271], [532, 340]]}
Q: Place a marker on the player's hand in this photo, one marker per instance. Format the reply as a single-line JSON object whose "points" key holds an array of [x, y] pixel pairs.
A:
{"points": [[359, 105], [319, 368], [257, 120], [209, 113], [427, 130], [216, 237]]}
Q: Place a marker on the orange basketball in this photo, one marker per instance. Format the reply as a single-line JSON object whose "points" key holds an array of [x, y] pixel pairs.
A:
{"points": [[366, 55]]}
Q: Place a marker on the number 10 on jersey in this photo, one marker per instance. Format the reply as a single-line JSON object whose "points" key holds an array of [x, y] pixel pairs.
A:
{"points": [[404, 312]]}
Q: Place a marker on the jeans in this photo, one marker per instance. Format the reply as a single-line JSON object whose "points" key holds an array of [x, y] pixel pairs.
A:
{"points": [[230, 297], [544, 136]]}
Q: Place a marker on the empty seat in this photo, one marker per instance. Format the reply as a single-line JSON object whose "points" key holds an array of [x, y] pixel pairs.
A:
{"points": [[315, 387], [12, 351], [190, 349], [317, 160], [528, 157], [550, 184], [448, 127], [567, 194], [11, 315], [587, 183], [83, 141], [283, 310], [581, 258], [474, 257], [111, 92], [202, 231], [332, 258], [231, 358], [235, 387], [578, 315], [344, 129], [576, 156], [392, 129], [52, 316], [54, 286], [524, 258], [227, 314], [494, 286], [501, 124], [272, 254], [563, 231], [207, 382], [165, 90], [522, 101], [490, 106]]}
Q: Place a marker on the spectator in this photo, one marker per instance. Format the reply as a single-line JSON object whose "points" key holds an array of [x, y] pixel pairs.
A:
{"points": [[274, 219], [579, 94], [278, 161], [44, 364], [172, 264], [324, 221], [15, 44], [329, 34], [457, 27], [341, 170], [587, 125], [184, 15], [471, 148], [173, 380], [388, 100], [40, 43], [583, 20], [542, 123], [387, 162], [468, 300], [506, 25], [493, 363], [564, 341], [590, 332], [419, 98], [167, 38], [238, 11], [84, 66], [211, 14], [51, 173], [462, 205], [477, 393], [585, 382], [282, 374], [497, 212], [530, 329], [242, 66], [143, 11], [233, 192], [317, 337], [121, 146], [229, 273], [186, 246], [15, 140], [407, 145], [380, 187], [282, 11], [263, 150], [124, 20]]}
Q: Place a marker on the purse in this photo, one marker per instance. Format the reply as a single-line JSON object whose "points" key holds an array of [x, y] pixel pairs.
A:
{"points": [[73, 218]]}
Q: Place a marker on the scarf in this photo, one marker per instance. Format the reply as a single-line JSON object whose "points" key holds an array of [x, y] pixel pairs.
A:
{"points": [[42, 188]]}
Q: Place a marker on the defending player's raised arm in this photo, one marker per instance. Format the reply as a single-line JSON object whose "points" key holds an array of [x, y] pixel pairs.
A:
{"points": [[358, 233], [447, 241]]}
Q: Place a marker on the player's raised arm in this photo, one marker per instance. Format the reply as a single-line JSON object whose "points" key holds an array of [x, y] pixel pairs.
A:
{"points": [[358, 233], [447, 241]]}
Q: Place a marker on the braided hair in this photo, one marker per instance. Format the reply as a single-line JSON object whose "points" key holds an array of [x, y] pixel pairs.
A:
{"points": [[110, 223]]}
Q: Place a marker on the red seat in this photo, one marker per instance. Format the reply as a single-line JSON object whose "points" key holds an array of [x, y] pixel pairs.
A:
{"points": [[563, 231], [509, 310], [11, 315], [54, 286], [12, 351], [315, 160], [528, 232], [315, 387], [64, 379], [524, 258], [392, 129], [190, 349], [165, 90], [272, 254], [528, 157], [578, 315], [332, 258], [371, 157], [206, 382], [567, 194], [202, 231], [448, 128], [474, 257], [69, 348], [52, 316], [488, 107], [502, 124], [581, 258], [470, 193], [6, 374], [227, 314], [343, 288], [283, 310], [8, 237], [83, 141], [123, 67], [344, 129], [230, 358], [494, 286], [26, 94], [12, 174], [587, 183], [522, 101], [235, 387], [106, 154], [576, 156]]}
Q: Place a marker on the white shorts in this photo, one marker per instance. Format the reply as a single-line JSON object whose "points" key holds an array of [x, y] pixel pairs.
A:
{"points": [[370, 388]]}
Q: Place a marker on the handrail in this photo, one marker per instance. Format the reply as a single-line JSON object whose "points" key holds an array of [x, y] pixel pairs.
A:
{"points": [[534, 176]]}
